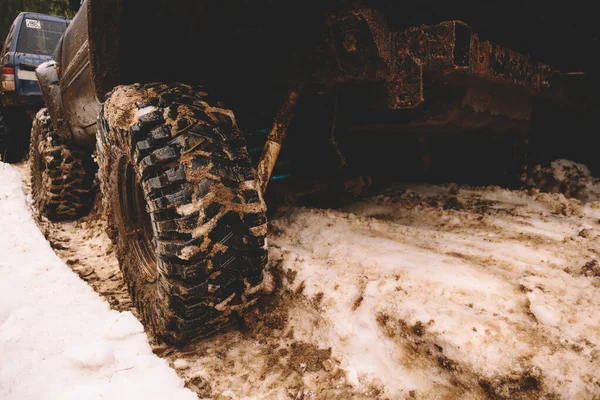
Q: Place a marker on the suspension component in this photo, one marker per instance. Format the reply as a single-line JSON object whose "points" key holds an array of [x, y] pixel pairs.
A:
{"points": [[275, 139]]}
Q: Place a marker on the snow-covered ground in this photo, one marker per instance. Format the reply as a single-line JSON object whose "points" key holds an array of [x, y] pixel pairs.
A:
{"points": [[58, 339], [485, 293], [417, 292]]}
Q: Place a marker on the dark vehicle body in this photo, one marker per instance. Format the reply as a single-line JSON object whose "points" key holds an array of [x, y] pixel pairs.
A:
{"points": [[348, 82], [262, 50]]}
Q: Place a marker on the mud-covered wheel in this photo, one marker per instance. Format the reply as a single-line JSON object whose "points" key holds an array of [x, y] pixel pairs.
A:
{"points": [[184, 209], [61, 176]]}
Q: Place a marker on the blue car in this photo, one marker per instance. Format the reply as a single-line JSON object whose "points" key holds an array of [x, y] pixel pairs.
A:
{"points": [[31, 41]]}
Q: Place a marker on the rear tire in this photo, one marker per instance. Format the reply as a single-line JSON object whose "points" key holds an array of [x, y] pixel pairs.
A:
{"points": [[61, 176], [15, 126], [184, 209]]}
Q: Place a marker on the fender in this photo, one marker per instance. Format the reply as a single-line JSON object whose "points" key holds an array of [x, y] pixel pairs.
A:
{"points": [[47, 75]]}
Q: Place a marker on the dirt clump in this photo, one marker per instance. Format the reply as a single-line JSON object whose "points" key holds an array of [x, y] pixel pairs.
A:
{"points": [[124, 115], [525, 385], [385, 323], [585, 233], [566, 177], [307, 357], [418, 329], [290, 275], [560, 205], [199, 385], [362, 285], [318, 298], [270, 312], [357, 302], [591, 269], [454, 203], [447, 363]]}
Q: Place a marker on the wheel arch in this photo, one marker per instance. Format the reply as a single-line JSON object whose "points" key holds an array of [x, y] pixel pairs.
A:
{"points": [[48, 80]]}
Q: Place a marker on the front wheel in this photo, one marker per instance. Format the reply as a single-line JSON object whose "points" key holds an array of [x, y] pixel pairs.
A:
{"points": [[184, 208]]}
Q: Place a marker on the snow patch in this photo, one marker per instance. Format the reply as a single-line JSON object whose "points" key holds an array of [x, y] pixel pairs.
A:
{"points": [[59, 339], [180, 364], [543, 313], [123, 325], [92, 355], [418, 296]]}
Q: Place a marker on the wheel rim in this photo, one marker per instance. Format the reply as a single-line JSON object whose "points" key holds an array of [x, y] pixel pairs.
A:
{"points": [[137, 222]]}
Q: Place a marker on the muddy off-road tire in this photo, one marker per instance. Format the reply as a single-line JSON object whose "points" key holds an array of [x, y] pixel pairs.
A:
{"points": [[184, 209], [61, 176]]}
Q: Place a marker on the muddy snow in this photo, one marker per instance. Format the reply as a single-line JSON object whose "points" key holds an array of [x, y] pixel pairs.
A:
{"points": [[418, 291]]}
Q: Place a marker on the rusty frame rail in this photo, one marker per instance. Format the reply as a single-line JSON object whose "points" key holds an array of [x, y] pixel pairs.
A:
{"points": [[362, 49]]}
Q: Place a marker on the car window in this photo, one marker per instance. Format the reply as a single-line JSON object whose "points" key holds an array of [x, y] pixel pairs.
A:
{"points": [[39, 36]]}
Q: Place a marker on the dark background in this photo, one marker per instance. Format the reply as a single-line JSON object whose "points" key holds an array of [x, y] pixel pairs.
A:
{"points": [[564, 34]]}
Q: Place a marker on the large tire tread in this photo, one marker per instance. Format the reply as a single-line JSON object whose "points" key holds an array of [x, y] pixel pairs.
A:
{"points": [[196, 176], [61, 175]]}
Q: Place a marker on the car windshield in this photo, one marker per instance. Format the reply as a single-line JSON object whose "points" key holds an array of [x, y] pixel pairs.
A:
{"points": [[39, 37]]}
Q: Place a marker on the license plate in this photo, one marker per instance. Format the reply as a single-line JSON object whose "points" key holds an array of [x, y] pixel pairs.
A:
{"points": [[33, 23], [26, 75]]}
